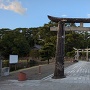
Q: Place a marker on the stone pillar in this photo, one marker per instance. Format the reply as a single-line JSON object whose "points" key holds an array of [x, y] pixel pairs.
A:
{"points": [[0, 67], [59, 64], [77, 55], [87, 54], [81, 24]]}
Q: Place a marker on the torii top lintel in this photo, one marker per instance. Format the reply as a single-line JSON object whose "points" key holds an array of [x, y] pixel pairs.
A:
{"points": [[69, 20]]}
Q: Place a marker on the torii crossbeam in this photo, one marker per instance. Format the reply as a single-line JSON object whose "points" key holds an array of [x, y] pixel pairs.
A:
{"points": [[59, 64]]}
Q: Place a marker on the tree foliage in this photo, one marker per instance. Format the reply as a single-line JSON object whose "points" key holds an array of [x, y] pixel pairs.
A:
{"points": [[21, 40], [47, 51], [18, 41], [13, 42]]}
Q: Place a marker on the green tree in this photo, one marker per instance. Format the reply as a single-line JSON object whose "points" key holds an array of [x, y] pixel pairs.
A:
{"points": [[14, 43], [73, 39], [47, 51], [34, 53], [28, 34]]}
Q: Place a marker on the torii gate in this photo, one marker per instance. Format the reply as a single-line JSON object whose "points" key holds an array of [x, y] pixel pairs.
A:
{"points": [[59, 64], [82, 50]]}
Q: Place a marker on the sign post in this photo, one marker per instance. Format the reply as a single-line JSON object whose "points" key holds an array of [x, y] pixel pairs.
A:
{"points": [[13, 59]]}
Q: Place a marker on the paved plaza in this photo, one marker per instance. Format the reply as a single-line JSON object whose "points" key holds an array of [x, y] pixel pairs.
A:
{"points": [[77, 78]]}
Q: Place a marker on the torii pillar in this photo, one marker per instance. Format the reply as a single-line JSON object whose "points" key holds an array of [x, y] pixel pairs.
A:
{"points": [[0, 67], [59, 64]]}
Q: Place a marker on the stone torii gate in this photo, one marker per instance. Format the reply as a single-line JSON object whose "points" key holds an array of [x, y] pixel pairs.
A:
{"points": [[82, 50], [59, 64]]}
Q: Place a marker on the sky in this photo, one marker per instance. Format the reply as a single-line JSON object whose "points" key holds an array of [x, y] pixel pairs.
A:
{"points": [[33, 13]]}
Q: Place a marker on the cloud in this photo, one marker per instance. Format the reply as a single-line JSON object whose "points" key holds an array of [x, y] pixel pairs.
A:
{"points": [[14, 5], [88, 15], [64, 15]]}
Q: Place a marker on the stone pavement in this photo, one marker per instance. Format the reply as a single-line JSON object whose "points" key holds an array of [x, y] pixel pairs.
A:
{"points": [[32, 73], [77, 78]]}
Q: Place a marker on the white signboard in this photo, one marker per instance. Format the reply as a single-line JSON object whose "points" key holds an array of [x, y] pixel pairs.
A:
{"points": [[13, 59]]}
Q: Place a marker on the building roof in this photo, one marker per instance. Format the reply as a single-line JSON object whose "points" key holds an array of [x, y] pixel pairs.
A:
{"points": [[37, 47]]}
